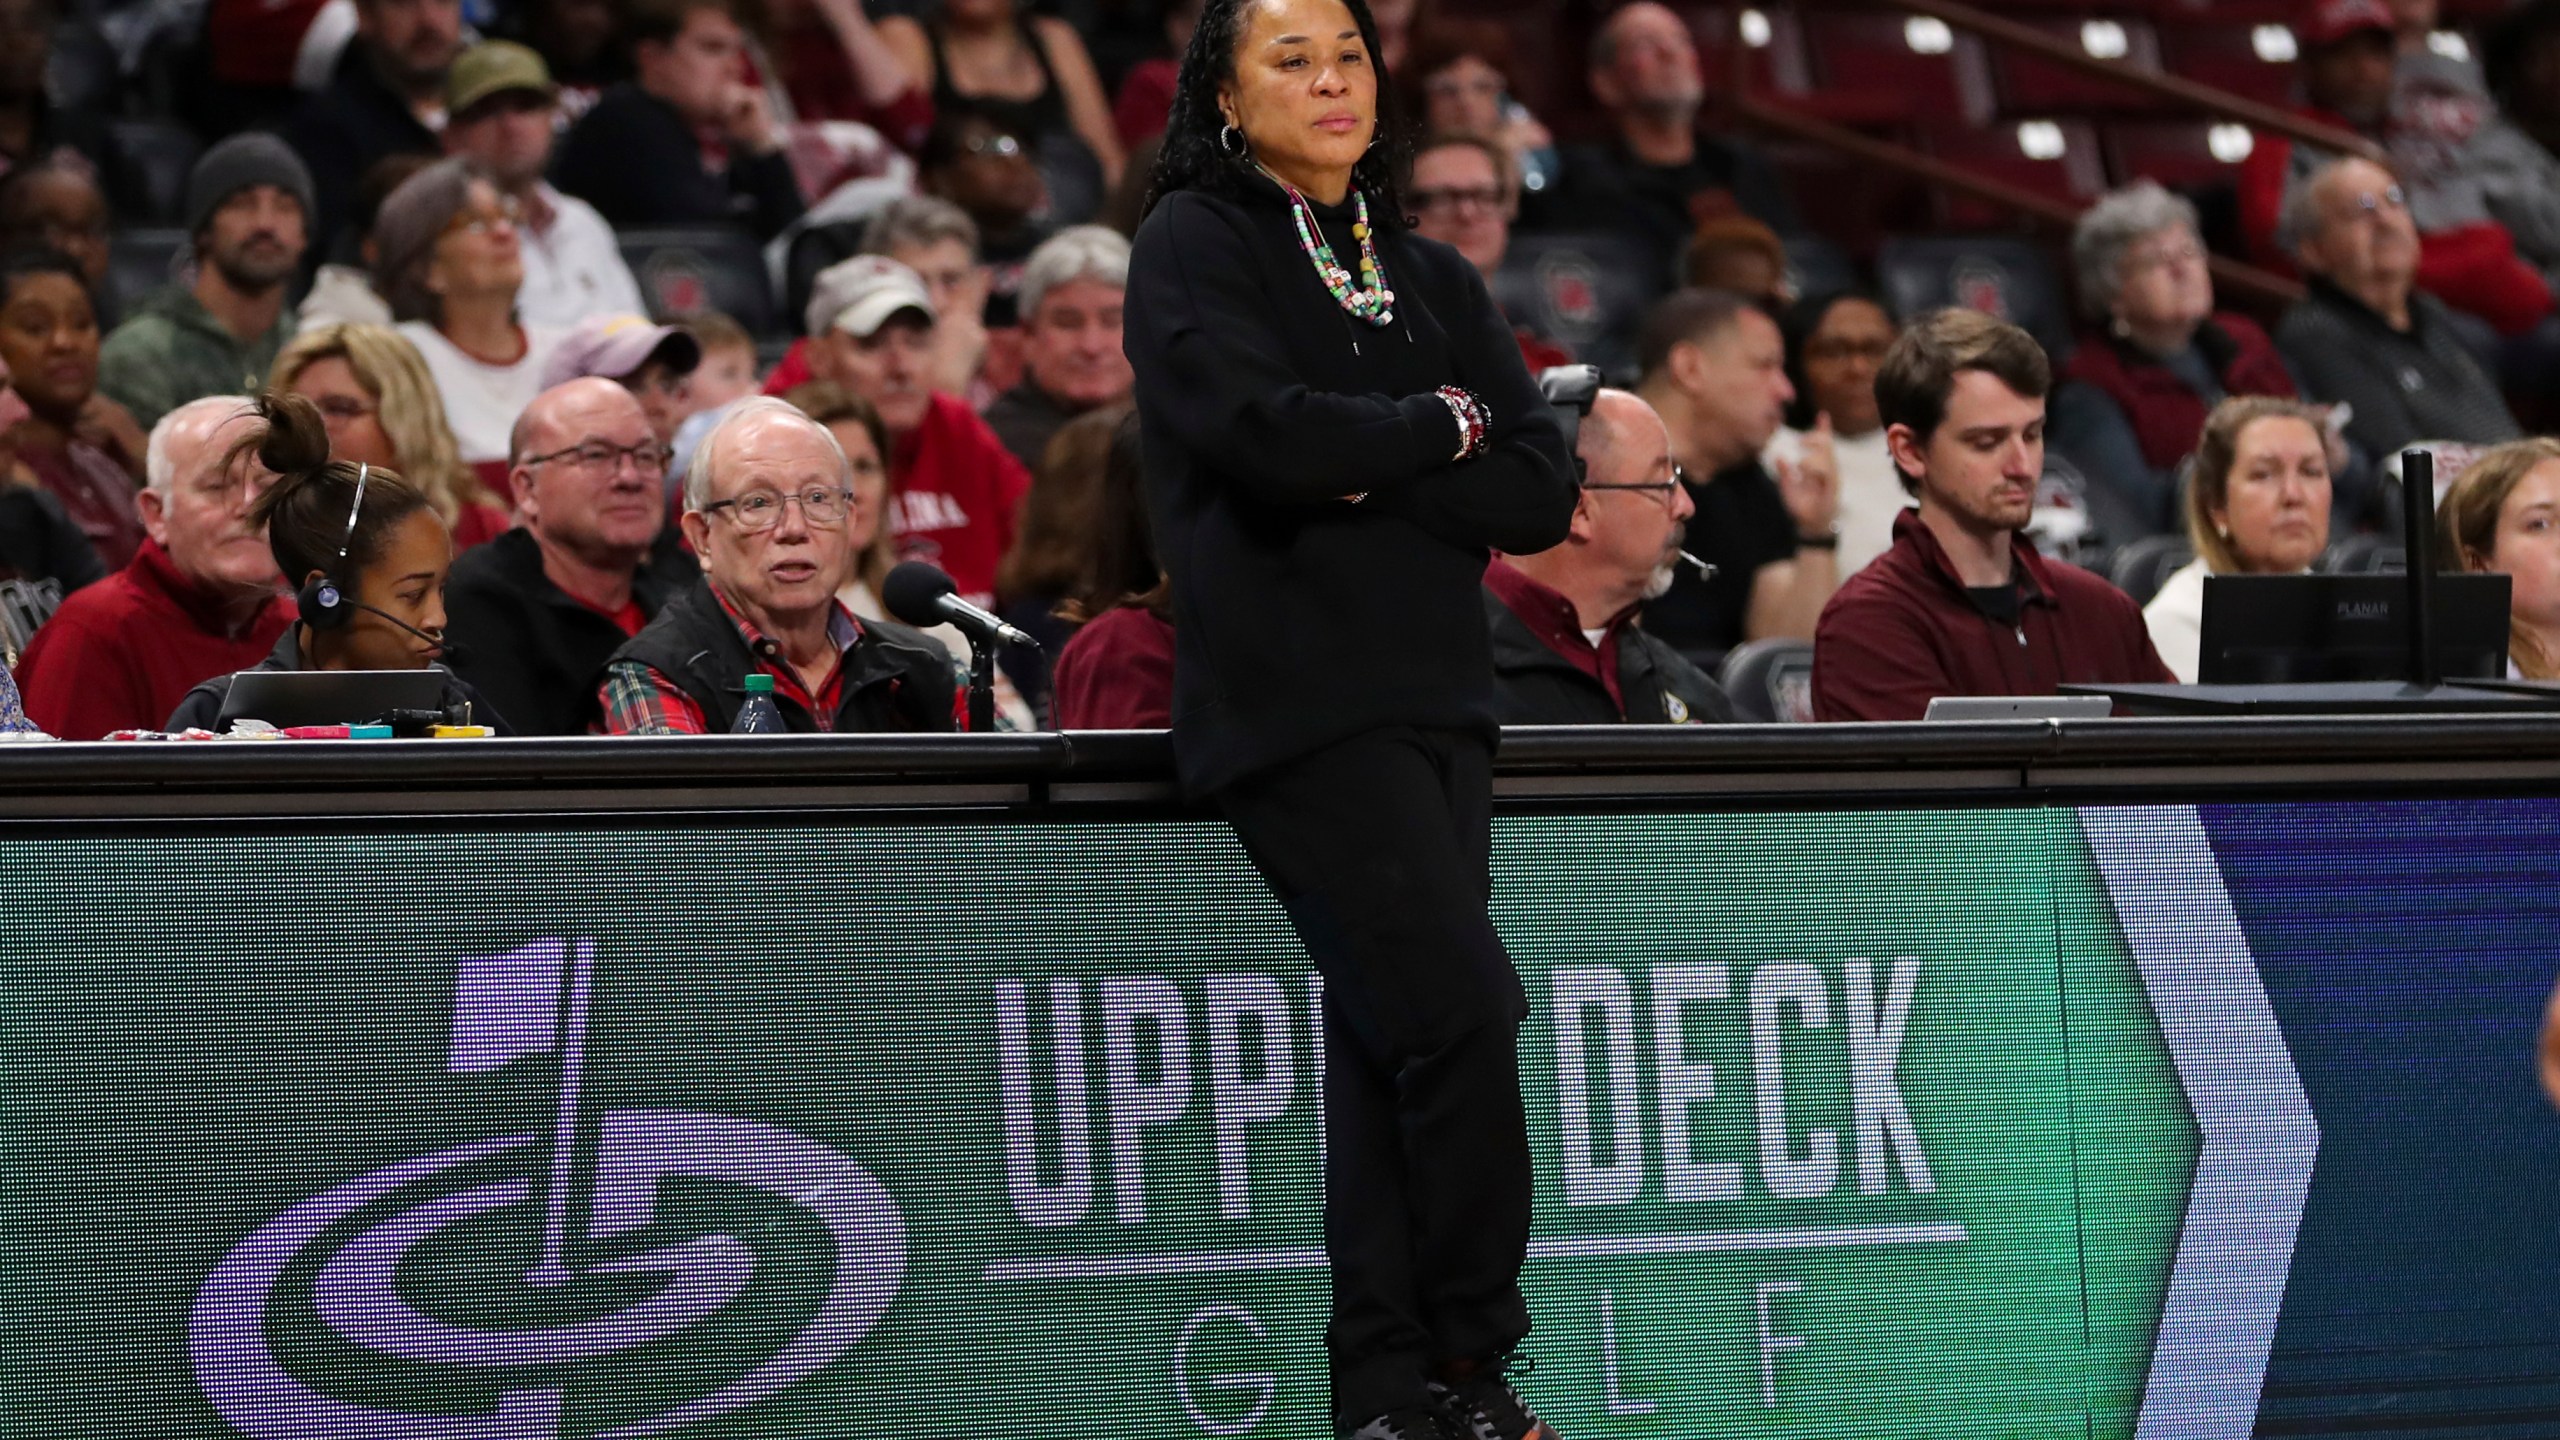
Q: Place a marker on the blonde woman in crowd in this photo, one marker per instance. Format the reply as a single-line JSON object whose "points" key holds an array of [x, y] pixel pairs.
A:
{"points": [[381, 406], [2502, 517], [2258, 504]]}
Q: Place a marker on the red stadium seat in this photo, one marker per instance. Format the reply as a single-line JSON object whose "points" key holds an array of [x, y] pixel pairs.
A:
{"points": [[2077, 176], [1865, 70], [2031, 86], [2177, 153], [2226, 57]]}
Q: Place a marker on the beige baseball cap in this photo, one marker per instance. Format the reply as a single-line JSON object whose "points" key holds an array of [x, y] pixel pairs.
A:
{"points": [[859, 295]]}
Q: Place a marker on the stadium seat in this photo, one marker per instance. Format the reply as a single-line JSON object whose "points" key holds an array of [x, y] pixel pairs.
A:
{"points": [[2225, 56], [1816, 266], [2141, 567], [2178, 153], [1866, 69], [2074, 176], [141, 261], [24, 607], [151, 165], [2364, 555], [1999, 275], [1585, 292], [2029, 86], [1769, 680], [685, 270], [812, 251]]}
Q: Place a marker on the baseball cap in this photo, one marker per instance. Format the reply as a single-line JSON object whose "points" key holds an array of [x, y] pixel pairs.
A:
{"points": [[859, 295], [2326, 22], [493, 67], [614, 346]]}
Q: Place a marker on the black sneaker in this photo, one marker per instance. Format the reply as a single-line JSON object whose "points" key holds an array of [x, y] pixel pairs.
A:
{"points": [[1483, 1406], [1419, 1422]]}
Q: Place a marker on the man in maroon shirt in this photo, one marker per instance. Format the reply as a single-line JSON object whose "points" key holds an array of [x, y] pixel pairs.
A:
{"points": [[1566, 650], [200, 598], [1962, 604], [954, 488]]}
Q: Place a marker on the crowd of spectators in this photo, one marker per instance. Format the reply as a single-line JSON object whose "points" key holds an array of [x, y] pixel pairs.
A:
{"points": [[402, 278]]}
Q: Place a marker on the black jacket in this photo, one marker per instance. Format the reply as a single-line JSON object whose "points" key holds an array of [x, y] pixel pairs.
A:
{"points": [[1533, 685], [635, 160], [203, 705], [527, 644], [896, 679], [343, 130], [1303, 618]]}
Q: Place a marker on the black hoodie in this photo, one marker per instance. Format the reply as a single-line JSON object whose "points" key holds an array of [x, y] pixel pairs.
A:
{"points": [[1301, 617]]}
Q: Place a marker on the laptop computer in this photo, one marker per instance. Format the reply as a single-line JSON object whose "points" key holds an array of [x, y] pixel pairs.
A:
{"points": [[286, 698]]}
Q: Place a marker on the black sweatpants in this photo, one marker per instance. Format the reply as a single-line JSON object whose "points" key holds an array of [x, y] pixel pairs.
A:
{"points": [[1379, 848]]}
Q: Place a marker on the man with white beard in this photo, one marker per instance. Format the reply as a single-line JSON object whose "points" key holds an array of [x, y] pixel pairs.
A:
{"points": [[1566, 650]]}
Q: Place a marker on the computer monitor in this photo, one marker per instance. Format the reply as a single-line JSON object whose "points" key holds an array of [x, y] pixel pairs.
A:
{"points": [[2302, 629]]}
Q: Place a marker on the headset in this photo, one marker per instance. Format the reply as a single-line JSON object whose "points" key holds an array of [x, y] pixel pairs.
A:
{"points": [[1572, 389], [325, 603]]}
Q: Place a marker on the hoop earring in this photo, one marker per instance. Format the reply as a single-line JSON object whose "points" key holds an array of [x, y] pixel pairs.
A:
{"points": [[1237, 149]]}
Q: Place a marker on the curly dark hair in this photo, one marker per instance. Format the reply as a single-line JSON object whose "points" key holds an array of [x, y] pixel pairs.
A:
{"points": [[1192, 159]]}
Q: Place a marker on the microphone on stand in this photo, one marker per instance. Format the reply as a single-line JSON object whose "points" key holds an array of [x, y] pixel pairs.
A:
{"points": [[921, 595]]}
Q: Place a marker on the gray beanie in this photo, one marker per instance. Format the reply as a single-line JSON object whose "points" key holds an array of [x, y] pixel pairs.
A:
{"points": [[405, 231], [250, 158]]}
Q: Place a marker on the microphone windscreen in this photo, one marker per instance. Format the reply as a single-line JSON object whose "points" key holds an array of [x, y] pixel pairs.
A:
{"points": [[913, 593]]}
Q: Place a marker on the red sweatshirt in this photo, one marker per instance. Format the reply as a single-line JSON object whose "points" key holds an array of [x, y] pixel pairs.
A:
{"points": [[1115, 674], [121, 654], [1902, 631], [954, 493]]}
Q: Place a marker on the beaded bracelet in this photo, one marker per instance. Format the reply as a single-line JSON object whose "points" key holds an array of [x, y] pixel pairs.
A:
{"points": [[1475, 421]]}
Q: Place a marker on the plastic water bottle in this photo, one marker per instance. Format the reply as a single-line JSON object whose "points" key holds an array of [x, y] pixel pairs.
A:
{"points": [[1537, 167], [757, 716]]}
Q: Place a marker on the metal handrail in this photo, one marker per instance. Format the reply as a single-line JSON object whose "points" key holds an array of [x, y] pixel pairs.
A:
{"points": [[2239, 276], [2210, 99]]}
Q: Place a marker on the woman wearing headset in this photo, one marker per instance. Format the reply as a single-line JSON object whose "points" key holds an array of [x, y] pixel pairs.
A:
{"points": [[369, 554]]}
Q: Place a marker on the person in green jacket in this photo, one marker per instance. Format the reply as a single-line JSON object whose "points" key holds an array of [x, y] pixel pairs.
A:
{"points": [[216, 331]]}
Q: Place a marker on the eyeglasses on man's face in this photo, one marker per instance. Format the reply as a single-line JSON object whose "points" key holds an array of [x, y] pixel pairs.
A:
{"points": [[760, 510], [1456, 197], [648, 457], [1662, 490]]}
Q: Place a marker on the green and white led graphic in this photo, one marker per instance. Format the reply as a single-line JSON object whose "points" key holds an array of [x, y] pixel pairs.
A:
{"points": [[1865, 1124]]}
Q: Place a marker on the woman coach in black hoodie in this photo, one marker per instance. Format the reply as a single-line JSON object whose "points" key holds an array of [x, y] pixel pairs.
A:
{"points": [[1337, 426]]}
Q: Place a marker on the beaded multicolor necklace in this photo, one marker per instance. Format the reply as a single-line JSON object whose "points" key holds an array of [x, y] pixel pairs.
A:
{"points": [[1370, 300]]}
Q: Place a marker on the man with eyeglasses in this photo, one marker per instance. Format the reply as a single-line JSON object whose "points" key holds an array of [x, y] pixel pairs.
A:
{"points": [[535, 613], [2366, 334], [2479, 199], [200, 599], [766, 500], [686, 141], [1565, 650], [1463, 196]]}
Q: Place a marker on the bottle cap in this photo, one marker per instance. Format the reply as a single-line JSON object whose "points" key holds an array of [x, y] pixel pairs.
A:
{"points": [[759, 684]]}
